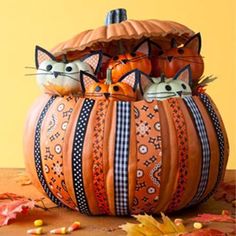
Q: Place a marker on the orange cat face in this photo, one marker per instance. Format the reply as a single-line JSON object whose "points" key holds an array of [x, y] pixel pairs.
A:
{"points": [[124, 89]]}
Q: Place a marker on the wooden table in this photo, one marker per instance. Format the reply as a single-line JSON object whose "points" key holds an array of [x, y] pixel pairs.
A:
{"points": [[93, 225]]}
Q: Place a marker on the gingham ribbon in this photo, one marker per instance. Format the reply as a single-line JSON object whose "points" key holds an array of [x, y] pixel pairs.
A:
{"points": [[220, 138], [37, 153], [77, 152], [121, 158], [206, 154]]}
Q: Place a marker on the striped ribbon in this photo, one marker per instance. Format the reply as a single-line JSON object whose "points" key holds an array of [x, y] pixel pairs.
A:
{"points": [[121, 158], [206, 154], [77, 152], [220, 138], [37, 154]]}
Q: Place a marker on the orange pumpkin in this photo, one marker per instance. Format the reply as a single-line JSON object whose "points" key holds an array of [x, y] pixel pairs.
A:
{"points": [[106, 156], [170, 61], [138, 59], [123, 90]]}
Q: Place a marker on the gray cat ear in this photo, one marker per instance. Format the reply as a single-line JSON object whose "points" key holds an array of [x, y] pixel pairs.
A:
{"points": [[184, 74], [144, 47], [42, 54], [194, 43], [94, 59]]}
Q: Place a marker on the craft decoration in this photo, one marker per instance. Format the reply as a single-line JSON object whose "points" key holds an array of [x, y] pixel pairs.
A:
{"points": [[123, 89], [170, 61], [163, 88], [63, 78], [119, 143]]}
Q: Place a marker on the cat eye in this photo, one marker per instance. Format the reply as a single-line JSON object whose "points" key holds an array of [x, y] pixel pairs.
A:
{"points": [[133, 54], [116, 88], [68, 68], [115, 58], [48, 67], [181, 51], [183, 86], [168, 87], [97, 89], [160, 53]]}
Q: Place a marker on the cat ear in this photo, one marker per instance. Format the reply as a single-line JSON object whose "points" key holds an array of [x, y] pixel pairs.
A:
{"points": [[173, 43], [194, 43], [87, 80], [144, 47], [94, 59], [131, 78], [42, 54], [144, 81], [184, 74]]}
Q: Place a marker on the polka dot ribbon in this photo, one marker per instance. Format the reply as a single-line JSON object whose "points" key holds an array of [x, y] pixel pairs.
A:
{"points": [[37, 153]]}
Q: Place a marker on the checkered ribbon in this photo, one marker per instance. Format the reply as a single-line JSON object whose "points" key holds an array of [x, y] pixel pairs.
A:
{"points": [[121, 158], [37, 154], [206, 154], [220, 138], [77, 153]]}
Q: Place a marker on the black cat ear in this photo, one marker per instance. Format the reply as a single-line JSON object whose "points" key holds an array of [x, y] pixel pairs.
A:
{"points": [[144, 47], [87, 80], [184, 74], [194, 43], [94, 59], [173, 43], [157, 47], [42, 54], [131, 78]]}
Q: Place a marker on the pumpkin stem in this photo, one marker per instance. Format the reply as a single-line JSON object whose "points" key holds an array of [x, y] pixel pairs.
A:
{"points": [[116, 16], [108, 77]]}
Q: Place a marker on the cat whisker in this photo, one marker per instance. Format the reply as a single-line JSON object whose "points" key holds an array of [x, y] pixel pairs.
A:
{"points": [[30, 67], [37, 74], [71, 77], [194, 62]]}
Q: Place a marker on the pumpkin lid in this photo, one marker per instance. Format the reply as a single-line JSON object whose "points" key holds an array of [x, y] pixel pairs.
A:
{"points": [[128, 31]]}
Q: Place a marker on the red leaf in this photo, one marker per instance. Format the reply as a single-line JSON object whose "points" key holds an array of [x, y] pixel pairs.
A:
{"points": [[10, 209], [226, 191], [206, 232], [214, 217]]}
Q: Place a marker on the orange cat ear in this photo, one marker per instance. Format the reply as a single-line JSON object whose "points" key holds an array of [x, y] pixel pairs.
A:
{"points": [[87, 80], [131, 78], [94, 59], [194, 43], [41, 55], [184, 74], [144, 47]]}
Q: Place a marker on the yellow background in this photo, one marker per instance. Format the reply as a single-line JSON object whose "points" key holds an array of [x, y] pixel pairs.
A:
{"points": [[23, 24]]}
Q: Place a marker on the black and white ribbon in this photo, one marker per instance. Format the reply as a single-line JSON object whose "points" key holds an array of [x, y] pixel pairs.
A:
{"points": [[220, 138], [121, 158], [37, 154], [206, 154], [77, 153]]}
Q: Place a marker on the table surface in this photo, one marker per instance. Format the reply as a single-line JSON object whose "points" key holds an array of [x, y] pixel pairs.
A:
{"points": [[91, 225]]}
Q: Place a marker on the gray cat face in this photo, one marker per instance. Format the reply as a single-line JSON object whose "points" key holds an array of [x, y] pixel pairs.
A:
{"points": [[162, 88]]}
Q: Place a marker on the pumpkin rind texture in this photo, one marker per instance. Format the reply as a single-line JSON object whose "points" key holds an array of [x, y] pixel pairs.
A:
{"points": [[120, 157]]}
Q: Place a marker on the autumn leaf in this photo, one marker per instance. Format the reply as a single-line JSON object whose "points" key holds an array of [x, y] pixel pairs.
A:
{"points": [[205, 232], [149, 226], [226, 191], [10, 209], [213, 217]]}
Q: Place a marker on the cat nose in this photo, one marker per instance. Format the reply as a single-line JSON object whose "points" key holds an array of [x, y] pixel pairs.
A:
{"points": [[179, 93], [106, 95], [56, 73], [169, 58]]}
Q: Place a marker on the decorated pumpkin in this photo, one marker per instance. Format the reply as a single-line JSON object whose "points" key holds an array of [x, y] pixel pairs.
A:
{"points": [[170, 61], [99, 155]]}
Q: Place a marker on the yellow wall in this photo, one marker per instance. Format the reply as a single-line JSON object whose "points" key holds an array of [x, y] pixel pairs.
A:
{"points": [[23, 24]]}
